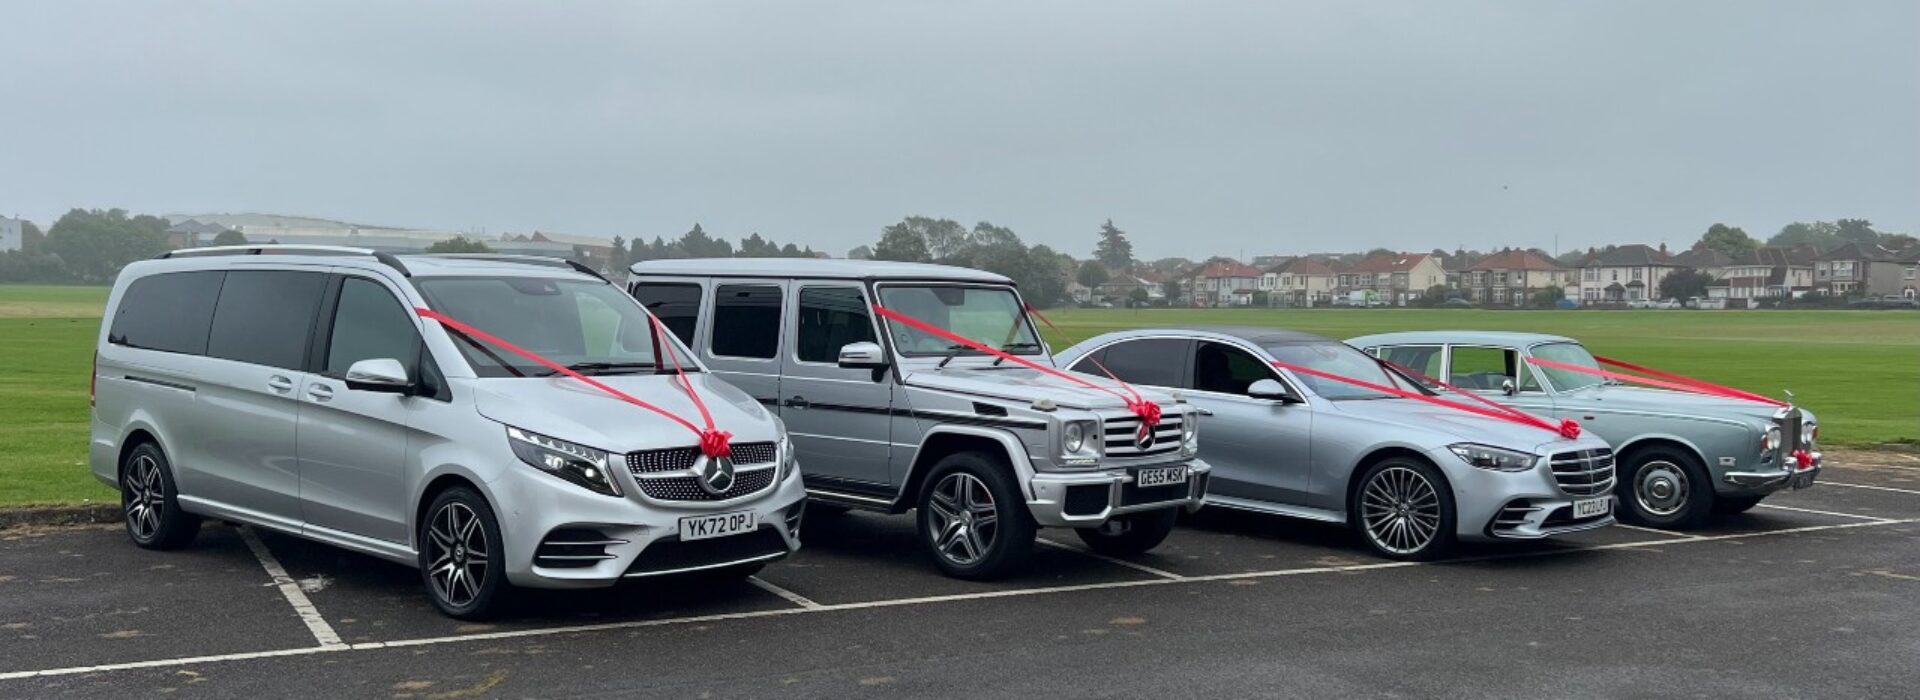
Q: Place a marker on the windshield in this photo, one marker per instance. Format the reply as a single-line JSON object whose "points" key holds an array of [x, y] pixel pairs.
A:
{"points": [[990, 315], [1572, 354], [590, 326], [1338, 359]]}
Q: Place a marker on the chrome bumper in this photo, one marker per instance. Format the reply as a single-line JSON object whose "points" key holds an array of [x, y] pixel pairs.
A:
{"points": [[1052, 506], [1776, 479]]}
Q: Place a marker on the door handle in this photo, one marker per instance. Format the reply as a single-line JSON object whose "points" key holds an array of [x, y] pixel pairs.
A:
{"points": [[279, 383], [795, 402], [1202, 411], [320, 392]]}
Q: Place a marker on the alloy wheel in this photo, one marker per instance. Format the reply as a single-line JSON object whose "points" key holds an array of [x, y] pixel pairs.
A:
{"points": [[1400, 510], [457, 550], [146, 497], [965, 520], [1661, 488]]}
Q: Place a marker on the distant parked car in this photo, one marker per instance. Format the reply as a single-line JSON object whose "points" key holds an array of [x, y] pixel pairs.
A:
{"points": [[1683, 456], [1457, 303], [1567, 304]]}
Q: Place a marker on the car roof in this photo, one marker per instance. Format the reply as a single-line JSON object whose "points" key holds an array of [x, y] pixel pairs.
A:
{"points": [[412, 265], [1257, 335], [1503, 338], [813, 267]]}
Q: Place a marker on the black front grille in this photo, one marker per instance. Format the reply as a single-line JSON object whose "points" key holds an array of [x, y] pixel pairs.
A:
{"points": [[1088, 499], [671, 554], [1584, 472], [679, 459], [687, 488]]}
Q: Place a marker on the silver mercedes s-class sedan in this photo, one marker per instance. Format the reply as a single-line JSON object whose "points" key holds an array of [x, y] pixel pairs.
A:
{"points": [[1412, 476]]}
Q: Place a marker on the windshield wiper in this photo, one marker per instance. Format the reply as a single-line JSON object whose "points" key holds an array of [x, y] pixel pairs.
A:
{"points": [[953, 351], [1014, 347], [607, 367]]}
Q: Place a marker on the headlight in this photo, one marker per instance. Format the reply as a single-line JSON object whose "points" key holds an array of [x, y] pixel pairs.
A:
{"points": [[579, 464], [789, 461], [1079, 444], [1494, 458], [1190, 434], [1770, 441]]}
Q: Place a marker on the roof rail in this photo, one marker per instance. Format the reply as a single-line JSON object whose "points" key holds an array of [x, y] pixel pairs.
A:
{"points": [[281, 249], [526, 259]]}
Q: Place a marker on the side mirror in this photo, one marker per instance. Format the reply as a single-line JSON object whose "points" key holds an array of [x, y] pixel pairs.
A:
{"points": [[862, 355], [1271, 389], [383, 375], [1506, 387]]}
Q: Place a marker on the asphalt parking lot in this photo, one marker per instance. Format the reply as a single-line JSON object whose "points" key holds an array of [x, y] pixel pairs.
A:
{"points": [[1816, 593]]}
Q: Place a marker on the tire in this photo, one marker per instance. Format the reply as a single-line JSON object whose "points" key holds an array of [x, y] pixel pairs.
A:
{"points": [[1404, 510], [462, 584], [1664, 487], [1130, 534], [150, 501], [971, 518], [1735, 505]]}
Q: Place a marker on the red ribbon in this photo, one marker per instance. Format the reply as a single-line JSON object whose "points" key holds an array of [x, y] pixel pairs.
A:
{"points": [[1672, 381], [1148, 411], [1803, 459], [1567, 428], [716, 438], [713, 441]]}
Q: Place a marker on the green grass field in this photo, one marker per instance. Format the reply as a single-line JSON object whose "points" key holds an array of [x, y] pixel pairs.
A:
{"points": [[1859, 369]]}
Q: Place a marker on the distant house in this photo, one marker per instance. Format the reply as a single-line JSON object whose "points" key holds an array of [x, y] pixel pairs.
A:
{"points": [[1397, 278], [1857, 268], [1512, 277], [1625, 273], [193, 233], [1222, 282], [1455, 265], [1703, 259], [1767, 272], [12, 234], [1119, 288], [1909, 265], [1299, 282]]}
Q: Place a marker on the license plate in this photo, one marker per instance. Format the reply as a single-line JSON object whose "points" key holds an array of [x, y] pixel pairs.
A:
{"points": [[1592, 507], [1802, 479], [1166, 476], [706, 527]]}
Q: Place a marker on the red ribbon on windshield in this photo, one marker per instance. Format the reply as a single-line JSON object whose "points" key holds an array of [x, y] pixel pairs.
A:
{"points": [[1671, 381], [713, 443], [1567, 429], [1148, 411]]}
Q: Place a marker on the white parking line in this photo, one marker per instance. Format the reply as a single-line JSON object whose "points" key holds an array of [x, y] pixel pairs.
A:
{"points": [[322, 632], [1656, 531], [1866, 486], [1111, 560], [1820, 512], [790, 596], [983, 595]]}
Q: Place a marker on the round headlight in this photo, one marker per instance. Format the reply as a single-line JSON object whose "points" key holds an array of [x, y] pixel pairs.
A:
{"points": [[1075, 436]]}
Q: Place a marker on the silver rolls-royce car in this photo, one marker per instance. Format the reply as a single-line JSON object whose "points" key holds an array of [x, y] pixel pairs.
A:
{"points": [[1412, 476], [890, 413], [1683, 456]]}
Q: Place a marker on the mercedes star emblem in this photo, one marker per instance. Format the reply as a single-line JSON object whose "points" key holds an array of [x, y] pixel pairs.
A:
{"points": [[717, 476], [1143, 440]]}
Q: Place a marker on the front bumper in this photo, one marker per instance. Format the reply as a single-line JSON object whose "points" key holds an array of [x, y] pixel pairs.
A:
{"points": [[536, 509], [1791, 476], [1496, 505], [1089, 499]]}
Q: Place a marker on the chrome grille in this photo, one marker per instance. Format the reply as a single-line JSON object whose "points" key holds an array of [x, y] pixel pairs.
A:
{"points": [[1119, 434], [679, 459], [1584, 472], [687, 488]]}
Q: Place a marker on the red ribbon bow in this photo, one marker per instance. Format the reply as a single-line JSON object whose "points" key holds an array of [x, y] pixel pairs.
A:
{"points": [[713, 443], [1148, 411], [1803, 459]]}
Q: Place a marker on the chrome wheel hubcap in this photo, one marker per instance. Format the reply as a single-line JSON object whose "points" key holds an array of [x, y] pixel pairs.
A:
{"points": [[1400, 510], [144, 497], [457, 552], [963, 517], [1661, 488]]}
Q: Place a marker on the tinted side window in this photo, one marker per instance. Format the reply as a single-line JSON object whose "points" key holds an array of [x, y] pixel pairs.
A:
{"points": [[170, 312], [1226, 369], [746, 321], [264, 316], [677, 306], [1154, 361], [831, 317], [369, 324], [1424, 359]]}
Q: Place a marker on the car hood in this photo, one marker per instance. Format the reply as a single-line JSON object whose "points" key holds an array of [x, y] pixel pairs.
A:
{"points": [[1629, 398], [1460, 426], [570, 410], [1024, 385]]}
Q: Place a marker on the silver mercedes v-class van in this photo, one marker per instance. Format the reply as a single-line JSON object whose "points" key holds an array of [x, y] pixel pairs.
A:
{"points": [[879, 370], [315, 391]]}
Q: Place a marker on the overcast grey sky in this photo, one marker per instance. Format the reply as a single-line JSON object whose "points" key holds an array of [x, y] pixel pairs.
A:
{"points": [[1201, 128]]}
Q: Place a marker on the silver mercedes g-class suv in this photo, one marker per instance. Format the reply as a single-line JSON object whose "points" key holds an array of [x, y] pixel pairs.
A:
{"points": [[889, 417]]}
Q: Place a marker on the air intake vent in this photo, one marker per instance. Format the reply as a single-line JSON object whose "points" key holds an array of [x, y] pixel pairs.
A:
{"points": [[987, 409]]}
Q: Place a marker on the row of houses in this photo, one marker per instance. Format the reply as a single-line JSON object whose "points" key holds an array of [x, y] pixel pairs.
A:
{"points": [[1516, 277]]}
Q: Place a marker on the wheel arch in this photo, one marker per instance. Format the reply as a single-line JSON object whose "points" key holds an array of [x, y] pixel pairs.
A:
{"points": [[1649, 441], [949, 439], [433, 488], [1376, 456]]}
